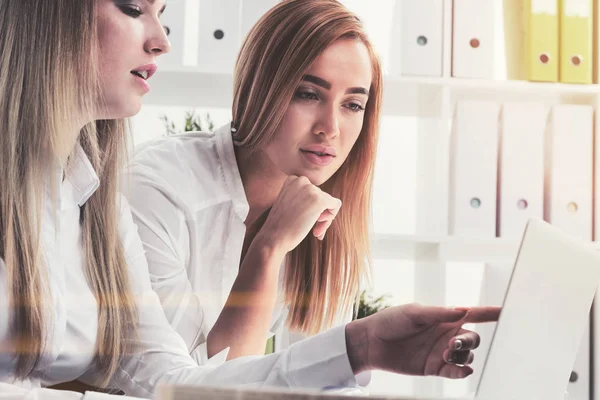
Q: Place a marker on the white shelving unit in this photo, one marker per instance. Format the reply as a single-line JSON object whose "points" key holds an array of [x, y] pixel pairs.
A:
{"points": [[432, 102], [403, 96], [455, 249]]}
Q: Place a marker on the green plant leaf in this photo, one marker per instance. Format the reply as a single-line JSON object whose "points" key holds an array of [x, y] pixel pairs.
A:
{"points": [[192, 122], [369, 306]]}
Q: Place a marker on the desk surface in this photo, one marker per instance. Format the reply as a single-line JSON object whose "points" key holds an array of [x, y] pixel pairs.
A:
{"points": [[213, 393]]}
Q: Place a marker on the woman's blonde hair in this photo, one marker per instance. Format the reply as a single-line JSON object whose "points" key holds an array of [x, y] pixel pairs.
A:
{"points": [[43, 46], [322, 279]]}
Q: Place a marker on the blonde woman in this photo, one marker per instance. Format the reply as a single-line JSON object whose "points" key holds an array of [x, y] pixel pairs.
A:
{"points": [[76, 300], [270, 212]]}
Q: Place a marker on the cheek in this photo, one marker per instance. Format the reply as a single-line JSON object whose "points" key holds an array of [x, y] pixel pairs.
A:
{"points": [[116, 41], [109, 68], [298, 117], [109, 36], [280, 146], [296, 122]]}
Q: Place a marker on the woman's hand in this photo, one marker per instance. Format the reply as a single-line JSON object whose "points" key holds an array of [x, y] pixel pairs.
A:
{"points": [[417, 340], [301, 207]]}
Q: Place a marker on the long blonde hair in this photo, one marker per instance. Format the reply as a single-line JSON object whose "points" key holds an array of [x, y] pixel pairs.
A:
{"points": [[322, 279], [43, 45]]}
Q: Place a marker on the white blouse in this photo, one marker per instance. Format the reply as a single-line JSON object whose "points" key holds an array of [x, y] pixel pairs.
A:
{"points": [[161, 355], [188, 201]]}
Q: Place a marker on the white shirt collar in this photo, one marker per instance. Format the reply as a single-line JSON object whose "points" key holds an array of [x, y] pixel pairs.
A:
{"points": [[80, 173], [233, 180]]}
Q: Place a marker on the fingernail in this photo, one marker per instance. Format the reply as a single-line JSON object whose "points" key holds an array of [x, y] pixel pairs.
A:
{"points": [[464, 309], [458, 344]]}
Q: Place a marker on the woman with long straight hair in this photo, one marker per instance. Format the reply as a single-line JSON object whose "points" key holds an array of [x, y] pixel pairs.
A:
{"points": [[267, 219], [298, 156], [76, 300]]}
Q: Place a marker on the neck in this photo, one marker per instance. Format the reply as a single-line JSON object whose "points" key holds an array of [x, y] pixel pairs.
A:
{"points": [[262, 182]]}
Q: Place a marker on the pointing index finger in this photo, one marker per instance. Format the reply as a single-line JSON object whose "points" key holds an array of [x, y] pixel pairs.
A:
{"points": [[483, 314]]}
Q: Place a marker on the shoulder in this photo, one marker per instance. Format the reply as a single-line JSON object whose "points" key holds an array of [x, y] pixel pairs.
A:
{"points": [[181, 151], [185, 168]]}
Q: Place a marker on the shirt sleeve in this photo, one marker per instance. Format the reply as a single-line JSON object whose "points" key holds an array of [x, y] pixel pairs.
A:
{"points": [[364, 378], [162, 228], [13, 392], [162, 225], [161, 355]]}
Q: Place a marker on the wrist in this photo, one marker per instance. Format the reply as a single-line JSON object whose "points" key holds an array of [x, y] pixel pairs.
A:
{"points": [[357, 346], [268, 247]]}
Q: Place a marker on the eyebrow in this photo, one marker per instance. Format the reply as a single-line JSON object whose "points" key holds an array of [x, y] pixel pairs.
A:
{"points": [[327, 85]]}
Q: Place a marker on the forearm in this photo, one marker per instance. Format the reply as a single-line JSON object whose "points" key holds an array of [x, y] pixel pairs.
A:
{"points": [[244, 322]]}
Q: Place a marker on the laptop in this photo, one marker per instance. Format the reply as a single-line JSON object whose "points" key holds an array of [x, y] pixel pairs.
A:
{"points": [[544, 314], [531, 354]]}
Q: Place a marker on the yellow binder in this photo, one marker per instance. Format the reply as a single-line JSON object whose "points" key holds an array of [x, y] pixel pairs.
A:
{"points": [[577, 27], [542, 33]]}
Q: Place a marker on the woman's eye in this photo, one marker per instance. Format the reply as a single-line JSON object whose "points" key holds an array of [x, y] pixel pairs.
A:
{"points": [[132, 11], [306, 96], [355, 107]]}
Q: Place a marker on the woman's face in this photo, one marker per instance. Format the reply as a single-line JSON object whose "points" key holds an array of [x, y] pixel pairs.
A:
{"points": [[131, 38], [326, 114]]}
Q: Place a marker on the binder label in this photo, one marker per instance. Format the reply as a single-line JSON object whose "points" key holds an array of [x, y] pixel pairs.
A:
{"points": [[578, 8], [544, 7]]}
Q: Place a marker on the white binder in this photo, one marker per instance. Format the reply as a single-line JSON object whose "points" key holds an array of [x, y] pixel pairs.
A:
{"points": [[252, 11], [219, 35], [474, 167], [173, 20], [569, 200], [569, 169], [422, 37], [473, 39], [521, 166]]}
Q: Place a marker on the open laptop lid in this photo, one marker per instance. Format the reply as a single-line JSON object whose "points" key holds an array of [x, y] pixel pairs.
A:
{"points": [[545, 311]]}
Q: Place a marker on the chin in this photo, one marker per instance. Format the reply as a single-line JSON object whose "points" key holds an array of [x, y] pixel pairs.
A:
{"points": [[321, 182], [315, 177], [131, 112]]}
